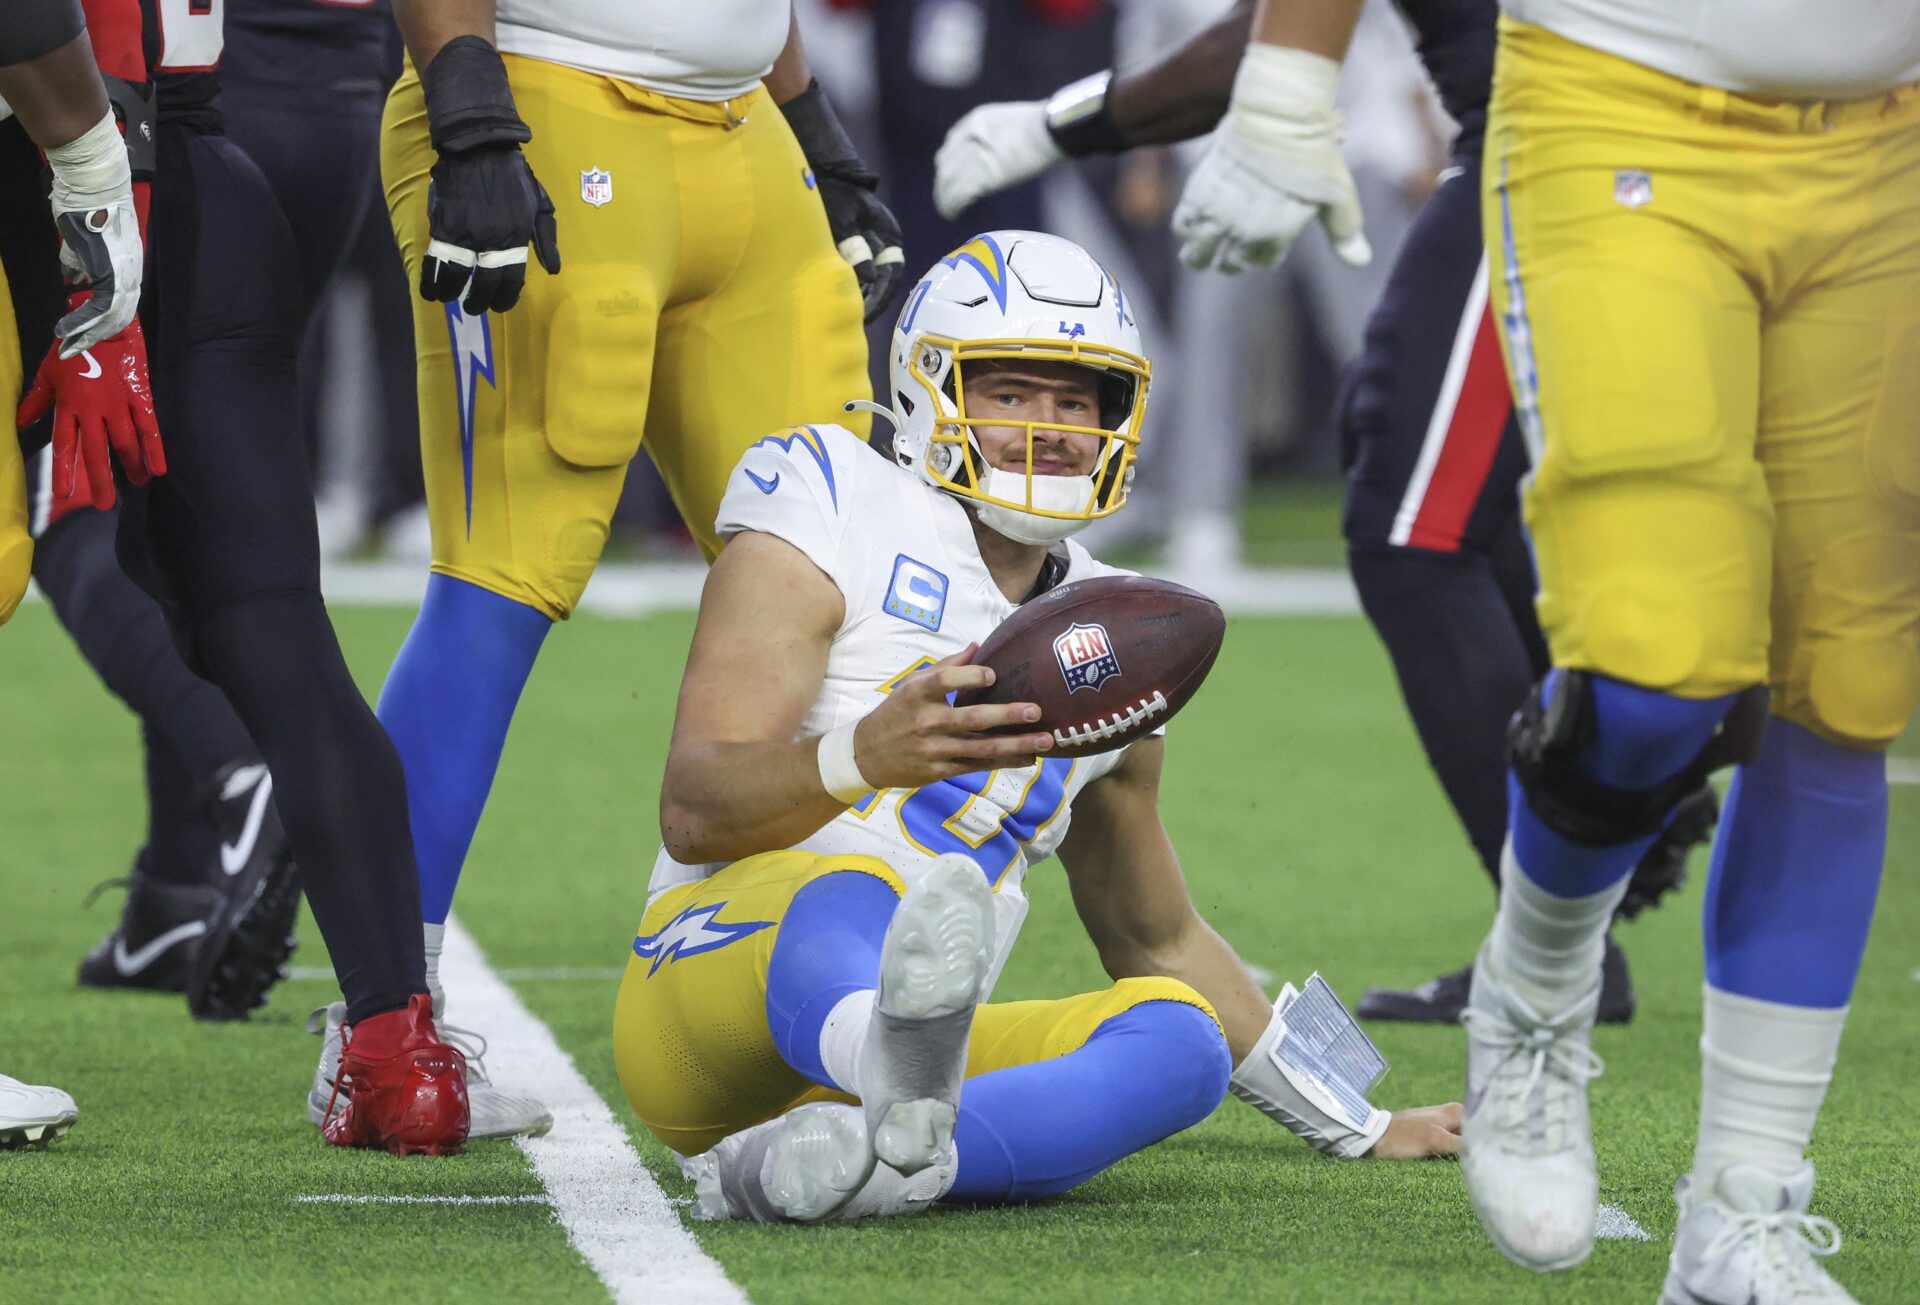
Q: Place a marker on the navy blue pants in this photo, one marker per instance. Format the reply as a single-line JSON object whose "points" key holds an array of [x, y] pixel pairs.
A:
{"points": [[226, 542], [1433, 461]]}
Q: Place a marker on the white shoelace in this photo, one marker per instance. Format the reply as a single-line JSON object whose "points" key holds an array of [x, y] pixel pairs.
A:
{"points": [[1786, 1240], [473, 1045], [1570, 1062]]}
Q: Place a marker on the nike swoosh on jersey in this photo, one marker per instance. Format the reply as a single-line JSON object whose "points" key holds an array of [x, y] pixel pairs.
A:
{"points": [[764, 486], [131, 963], [235, 855]]}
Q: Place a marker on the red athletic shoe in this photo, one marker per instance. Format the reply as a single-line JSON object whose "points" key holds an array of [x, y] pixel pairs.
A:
{"points": [[405, 1089]]}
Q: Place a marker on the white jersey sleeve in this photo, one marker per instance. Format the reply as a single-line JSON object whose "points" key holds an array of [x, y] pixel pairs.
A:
{"points": [[800, 486]]}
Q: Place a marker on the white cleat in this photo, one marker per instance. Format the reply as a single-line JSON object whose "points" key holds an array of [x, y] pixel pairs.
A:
{"points": [[810, 1164], [494, 1113], [33, 1116], [933, 968], [1748, 1240], [1526, 1143]]}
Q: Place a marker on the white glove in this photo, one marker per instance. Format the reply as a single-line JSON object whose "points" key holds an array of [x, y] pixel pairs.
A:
{"points": [[1274, 164], [993, 147], [99, 234]]}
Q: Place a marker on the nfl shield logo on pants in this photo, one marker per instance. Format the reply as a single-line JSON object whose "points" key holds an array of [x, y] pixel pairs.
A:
{"points": [[596, 187], [1632, 188]]}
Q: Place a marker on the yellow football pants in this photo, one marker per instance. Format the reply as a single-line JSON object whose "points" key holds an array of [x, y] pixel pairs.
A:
{"points": [[1711, 311], [701, 303], [690, 1035], [16, 537]]}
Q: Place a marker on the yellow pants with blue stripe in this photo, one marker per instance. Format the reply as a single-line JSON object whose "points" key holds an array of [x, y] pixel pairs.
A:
{"points": [[690, 1032], [1711, 311], [701, 304], [16, 538]]}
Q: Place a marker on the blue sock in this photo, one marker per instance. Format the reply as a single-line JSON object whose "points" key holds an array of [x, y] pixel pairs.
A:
{"points": [[1796, 870], [1038, 1130], [828, 948], [447, 702], [1643, 737]]}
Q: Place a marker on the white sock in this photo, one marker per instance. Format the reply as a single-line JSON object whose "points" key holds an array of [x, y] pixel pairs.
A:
{"points": [[842, 1036], [435, 937], [1548, 948], [1764, 1068]]}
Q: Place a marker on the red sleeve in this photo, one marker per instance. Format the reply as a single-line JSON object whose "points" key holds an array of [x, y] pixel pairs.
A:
{"points": [[1067, 13], [114, 27]]}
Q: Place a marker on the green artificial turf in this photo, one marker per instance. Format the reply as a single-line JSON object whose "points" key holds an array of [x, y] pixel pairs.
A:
{"points": [[1314, 838]]}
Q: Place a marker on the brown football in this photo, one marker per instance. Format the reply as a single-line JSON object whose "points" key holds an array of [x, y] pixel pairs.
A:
{"points": [[1106, 660]]}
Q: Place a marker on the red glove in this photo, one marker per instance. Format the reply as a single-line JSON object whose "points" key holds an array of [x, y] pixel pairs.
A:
{"points": [[102, 406]]}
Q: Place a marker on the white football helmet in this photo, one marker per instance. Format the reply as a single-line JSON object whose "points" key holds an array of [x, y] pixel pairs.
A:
{"points": [[1017, 295]]}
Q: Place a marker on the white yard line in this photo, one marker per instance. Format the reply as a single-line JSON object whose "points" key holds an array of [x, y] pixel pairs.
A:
{"points": [[1616, 1225], [542, 973], [345, 1198], [615, 1214], [636, 589]]}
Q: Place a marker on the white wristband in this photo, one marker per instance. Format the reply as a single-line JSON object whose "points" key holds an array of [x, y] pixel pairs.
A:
{"points": [[839, 772]]}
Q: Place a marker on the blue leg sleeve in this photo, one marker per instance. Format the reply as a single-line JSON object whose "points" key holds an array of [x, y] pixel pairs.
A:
{"points": [[828, 948], [1796, 870], [1643, 737], [447, 702], [1038, 1130]]}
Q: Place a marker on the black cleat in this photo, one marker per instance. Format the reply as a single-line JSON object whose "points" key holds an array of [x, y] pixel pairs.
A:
{"points": [[1441, 1000], [250, 932], [158, 938]]}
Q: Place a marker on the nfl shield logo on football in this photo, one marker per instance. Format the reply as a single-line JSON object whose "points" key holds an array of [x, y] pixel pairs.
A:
{"points": [[1086, 657], [1633, 188], [596, 187]]}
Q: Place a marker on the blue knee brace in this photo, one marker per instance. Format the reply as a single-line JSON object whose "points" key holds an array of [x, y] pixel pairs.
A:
{"points": [[1594, 759]]}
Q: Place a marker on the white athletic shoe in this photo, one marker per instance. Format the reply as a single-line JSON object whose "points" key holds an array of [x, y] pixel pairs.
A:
{"points": [[1748, 1240], [494, 1113], [31, 1115], [933, 968], [810, 1164], [1526, 1143]]}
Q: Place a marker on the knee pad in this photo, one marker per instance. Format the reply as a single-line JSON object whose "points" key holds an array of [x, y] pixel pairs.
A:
{"points": [[1859, 693], [1551, 741]]}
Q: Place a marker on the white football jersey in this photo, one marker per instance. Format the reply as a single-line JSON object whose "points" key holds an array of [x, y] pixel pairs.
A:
{"points": [[1790, 49], [916, 590], [692, 49]]}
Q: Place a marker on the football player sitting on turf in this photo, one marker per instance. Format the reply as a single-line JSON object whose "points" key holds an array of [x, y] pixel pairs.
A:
{"points": [[845, 851]]}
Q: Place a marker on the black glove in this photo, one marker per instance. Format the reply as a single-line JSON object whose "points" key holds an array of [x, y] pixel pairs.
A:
{"points": [[865, 232], [484, 205]]}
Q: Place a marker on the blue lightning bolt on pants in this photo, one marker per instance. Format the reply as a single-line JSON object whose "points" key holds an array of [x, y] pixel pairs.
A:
{"points": [[447, 703]]}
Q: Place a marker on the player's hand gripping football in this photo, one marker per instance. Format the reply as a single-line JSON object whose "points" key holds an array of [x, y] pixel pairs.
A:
{"points": [[1274, 166], [484, 205], [863, 230], [102, 407], [1420, 1134], [917, 737]]}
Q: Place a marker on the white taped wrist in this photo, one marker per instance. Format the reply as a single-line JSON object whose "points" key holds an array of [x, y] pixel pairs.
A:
{"points": [[1278, 85], [1304, 1107], [91, 171], [839, 772]]}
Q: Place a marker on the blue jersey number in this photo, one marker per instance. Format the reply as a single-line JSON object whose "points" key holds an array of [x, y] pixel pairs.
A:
{"points": [[931, 815]]}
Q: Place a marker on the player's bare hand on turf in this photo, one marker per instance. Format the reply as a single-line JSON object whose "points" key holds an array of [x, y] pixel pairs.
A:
{"points": [[1420, 1134], [917, 737]]}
